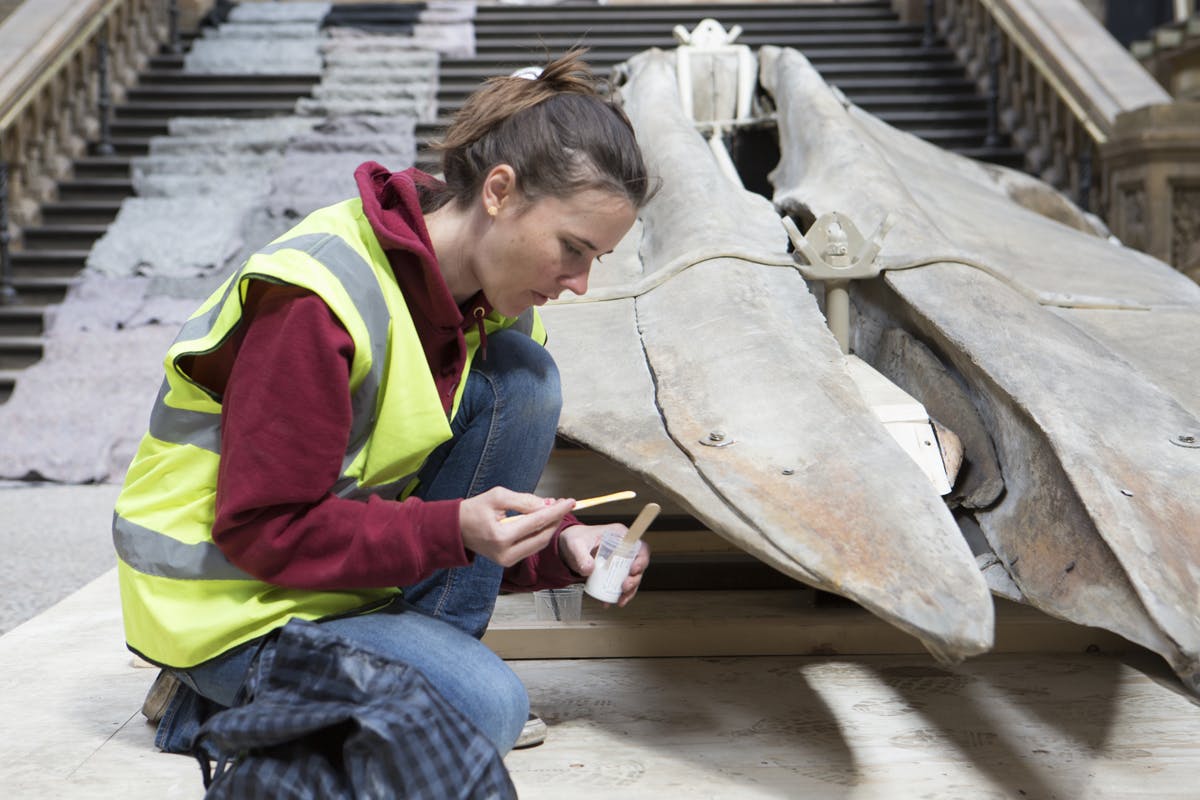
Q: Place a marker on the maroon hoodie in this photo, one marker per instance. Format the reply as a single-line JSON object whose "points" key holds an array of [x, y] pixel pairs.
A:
{"points": [[284, 380]]}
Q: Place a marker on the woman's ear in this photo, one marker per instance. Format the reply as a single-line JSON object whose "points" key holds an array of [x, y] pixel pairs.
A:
{"points": [[499, 186]]}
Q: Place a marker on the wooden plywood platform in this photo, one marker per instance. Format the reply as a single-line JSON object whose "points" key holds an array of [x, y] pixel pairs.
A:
{"points": [[796, 695], [1010, 725], [1000, 727], [754, 623]]}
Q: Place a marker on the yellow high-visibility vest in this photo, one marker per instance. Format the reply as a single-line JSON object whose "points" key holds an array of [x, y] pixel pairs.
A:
{"points": [[183, 601]]}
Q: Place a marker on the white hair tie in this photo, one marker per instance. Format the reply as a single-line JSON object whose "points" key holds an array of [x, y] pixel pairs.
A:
{"points": [[528, 73]]}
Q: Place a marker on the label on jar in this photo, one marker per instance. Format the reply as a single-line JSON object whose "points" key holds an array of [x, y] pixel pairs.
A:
{"points": [[604, 584]]}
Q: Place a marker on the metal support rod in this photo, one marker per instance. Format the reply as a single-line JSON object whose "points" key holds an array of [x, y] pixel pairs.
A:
{"points": [[993, 96], [1085, 177], [930, 35], [173, 43], [104, 100], [837, 311], [8, 292]]}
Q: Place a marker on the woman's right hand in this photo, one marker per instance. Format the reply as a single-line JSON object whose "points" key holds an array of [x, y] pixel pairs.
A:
{"points": [[484, 530]]}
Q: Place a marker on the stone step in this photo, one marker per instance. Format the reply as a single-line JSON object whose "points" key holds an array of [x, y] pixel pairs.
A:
{"points": [[61, 263], [212, 93], [479, 69], [1011, 157], [945, 101], [951, 138], [21, 321], [634, 41], [94, 166], [906, 118], [451, 86], [8, 383], [901, 113], [165, 61], [178, 78], [62, 237], [95, 188], [19, 352], [672, 13], [503, 60], [41, 291], [453, 98], [85, 211], [798, 36], [635, 26], [130, 146], [165, 109], [123, 126], [902, 85]]}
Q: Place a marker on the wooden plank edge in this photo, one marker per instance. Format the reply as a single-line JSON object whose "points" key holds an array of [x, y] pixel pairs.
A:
{"points": [[803, 631]]}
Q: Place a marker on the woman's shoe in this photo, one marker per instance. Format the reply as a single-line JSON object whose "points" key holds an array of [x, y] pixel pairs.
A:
{"points": [[160, 694], [533, 734]]}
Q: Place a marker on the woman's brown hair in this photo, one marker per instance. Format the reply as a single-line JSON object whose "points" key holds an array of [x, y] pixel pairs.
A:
{"points": [[556, 130]]}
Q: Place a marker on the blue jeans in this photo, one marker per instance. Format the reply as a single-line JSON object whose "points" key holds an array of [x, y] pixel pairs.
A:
{"points": [[502, 436]]}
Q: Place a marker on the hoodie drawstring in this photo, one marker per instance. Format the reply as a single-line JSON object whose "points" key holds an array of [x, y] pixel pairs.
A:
{"points": [[482, 333]]}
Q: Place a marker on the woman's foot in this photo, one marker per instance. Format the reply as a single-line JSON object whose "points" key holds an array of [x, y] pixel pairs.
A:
{"points": [[533, 734], [160, 694]]}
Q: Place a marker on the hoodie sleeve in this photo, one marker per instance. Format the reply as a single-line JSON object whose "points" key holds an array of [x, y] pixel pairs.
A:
{"points": [[285, 423], [544, 569]]}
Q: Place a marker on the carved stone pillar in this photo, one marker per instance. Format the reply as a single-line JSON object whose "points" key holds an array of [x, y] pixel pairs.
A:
{"points": [[1152, 171]]}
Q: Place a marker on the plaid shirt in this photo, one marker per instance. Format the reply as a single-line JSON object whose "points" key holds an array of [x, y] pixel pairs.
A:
{"points": [[328, 720]]}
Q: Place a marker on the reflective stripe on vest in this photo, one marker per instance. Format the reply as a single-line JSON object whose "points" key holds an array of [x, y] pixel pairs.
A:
{"points": [[200, 429], [153, 553]]}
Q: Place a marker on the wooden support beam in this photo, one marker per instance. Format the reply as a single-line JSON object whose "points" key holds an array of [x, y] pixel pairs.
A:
{"points": [[755, 623]]}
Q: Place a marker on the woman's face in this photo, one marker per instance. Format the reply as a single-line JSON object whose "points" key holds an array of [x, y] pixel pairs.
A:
{"points": [[531, 252]]}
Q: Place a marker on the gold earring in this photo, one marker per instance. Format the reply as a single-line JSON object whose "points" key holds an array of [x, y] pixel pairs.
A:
{"points": [[492, 211]]}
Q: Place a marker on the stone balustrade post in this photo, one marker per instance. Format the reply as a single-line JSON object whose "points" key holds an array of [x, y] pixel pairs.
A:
{"points": [[1151, 166], [8, 294]]}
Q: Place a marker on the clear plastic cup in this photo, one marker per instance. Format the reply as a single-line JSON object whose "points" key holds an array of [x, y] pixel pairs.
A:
{"points": [[614, 558], [559, 605]]}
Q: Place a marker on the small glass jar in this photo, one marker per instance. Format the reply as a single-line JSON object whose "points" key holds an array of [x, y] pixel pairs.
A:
{"points": [[614, 558]]}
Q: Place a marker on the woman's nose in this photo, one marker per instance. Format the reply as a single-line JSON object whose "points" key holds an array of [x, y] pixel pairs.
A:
{"points": [[576, 283]]}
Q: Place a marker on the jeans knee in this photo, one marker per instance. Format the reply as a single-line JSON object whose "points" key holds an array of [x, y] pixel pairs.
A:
{"points": [[508, 705], [526, 370], [545, 396]]}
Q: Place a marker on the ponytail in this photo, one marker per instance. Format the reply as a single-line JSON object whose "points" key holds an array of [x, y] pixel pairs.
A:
{"points": [[556, 130]]}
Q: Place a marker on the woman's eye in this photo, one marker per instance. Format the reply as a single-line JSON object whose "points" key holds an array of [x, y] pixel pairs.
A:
{"points": [[573, 250]]}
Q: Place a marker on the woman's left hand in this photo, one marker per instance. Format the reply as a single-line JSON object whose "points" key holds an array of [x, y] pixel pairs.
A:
{"points": [[577, 548]]}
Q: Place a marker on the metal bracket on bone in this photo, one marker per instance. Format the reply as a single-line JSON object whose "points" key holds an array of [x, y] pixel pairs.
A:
{"points": [[836, 253], [709, 47]]}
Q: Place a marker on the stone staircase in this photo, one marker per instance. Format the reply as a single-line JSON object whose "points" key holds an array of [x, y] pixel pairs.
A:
{"points": [[55, 252], [879, 63]]}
